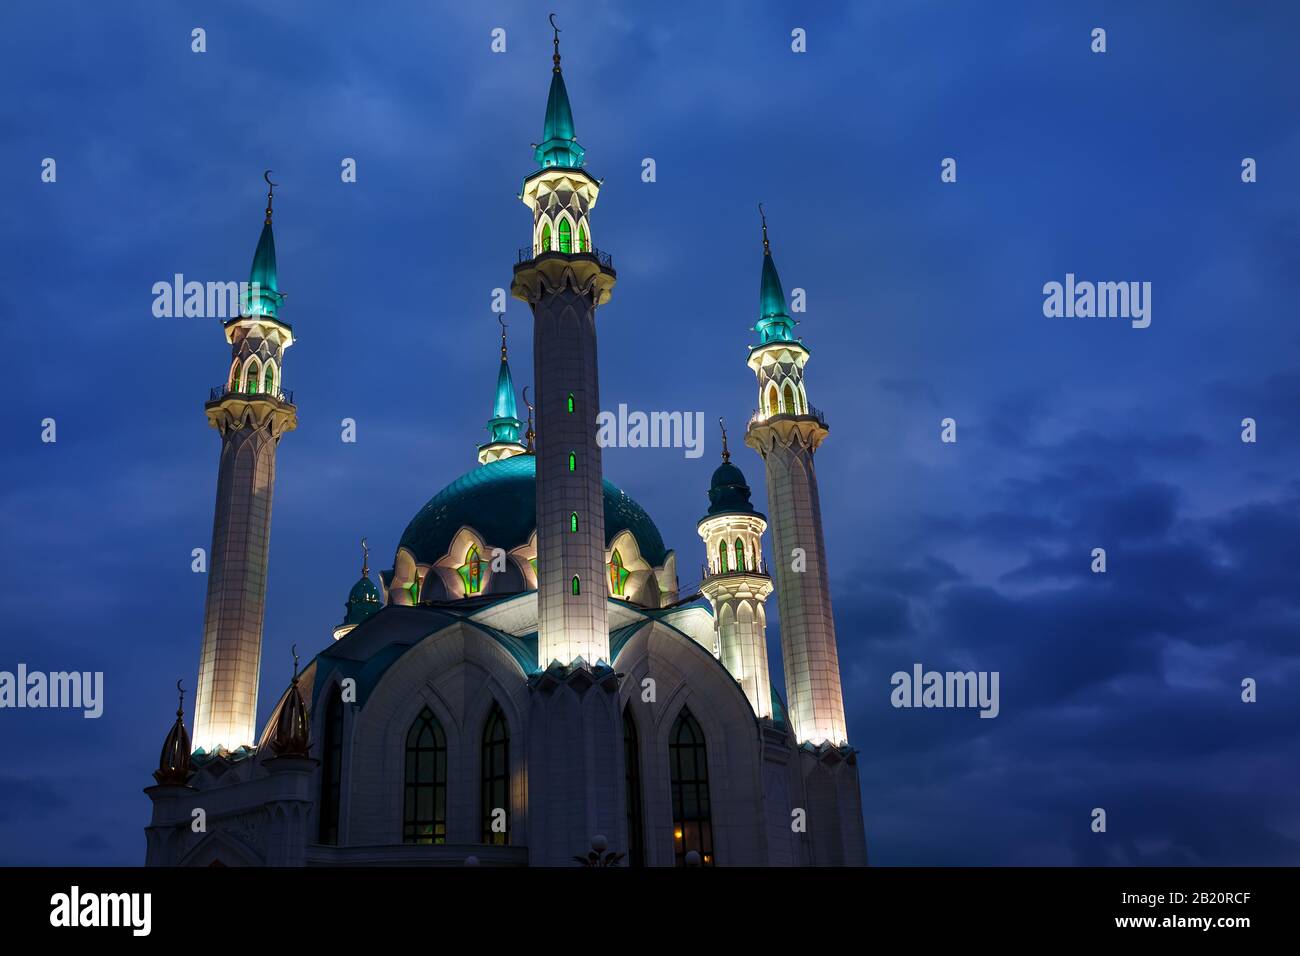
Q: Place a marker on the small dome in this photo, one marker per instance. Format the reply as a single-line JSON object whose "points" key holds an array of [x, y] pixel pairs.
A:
{"points": [[728, 492], [363, 601]]}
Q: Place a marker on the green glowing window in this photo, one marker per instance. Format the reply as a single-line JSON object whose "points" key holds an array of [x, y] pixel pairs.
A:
{"points": [[234, 377], [573, 521], [471, 572], [574, 585], [250, 378], [722, 557], [740, 556], [546, 237], [582, 238], [414, 586], [268, 378], [618, 574], [566, 238], [570, 403], [533, 562], [573, 462]]}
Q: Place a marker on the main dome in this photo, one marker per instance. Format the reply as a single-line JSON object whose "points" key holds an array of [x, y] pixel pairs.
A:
{"points": [[499, 501]]}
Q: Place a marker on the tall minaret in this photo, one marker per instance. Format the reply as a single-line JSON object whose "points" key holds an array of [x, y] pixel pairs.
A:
{"points": [[504, 426], [251, 411], [786, 431], [564, 278], [736, 582]]}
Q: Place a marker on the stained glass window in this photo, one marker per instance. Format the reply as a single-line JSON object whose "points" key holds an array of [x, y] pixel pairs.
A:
{"points": [[250, 377], [740, 556], [471, 572], [268, 379], [573, 521], [573, 462], [546, 237], [424, 809], [722, 557], [773, 405], [570, 403], [618, 574], [790, 407], [566, 236], [582, 238], [574, 585]]}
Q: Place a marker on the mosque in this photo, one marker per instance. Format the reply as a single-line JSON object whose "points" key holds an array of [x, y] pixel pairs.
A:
{"points": [[526, 685]]}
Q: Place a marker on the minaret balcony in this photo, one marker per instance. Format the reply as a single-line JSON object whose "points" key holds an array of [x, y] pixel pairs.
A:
{"points": [[606, 261], [711, 570], [219, 392], [808, 414]]}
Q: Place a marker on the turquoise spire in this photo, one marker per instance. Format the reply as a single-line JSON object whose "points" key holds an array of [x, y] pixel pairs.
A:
{"points": [[504, 425], [263, 274], [559, 146], [774, 323]]}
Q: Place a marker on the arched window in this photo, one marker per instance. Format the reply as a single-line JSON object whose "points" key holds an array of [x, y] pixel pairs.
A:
{"points": [[251, 371], [773, 406], [574, 585], [331, 769], [618, 574], [790, 407], [573, 462], [632, 780], [566, 236], [414, 586], [546, 237], [582, 238], [234, 376], [496, 776], [573, 521], [471, 572], [268, 378], [740, 556], [688, 764], [722, 557], [570, 403], [424, 807]]}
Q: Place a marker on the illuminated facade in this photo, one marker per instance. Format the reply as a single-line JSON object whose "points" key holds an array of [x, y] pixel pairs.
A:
{"points": [[527, 680]]}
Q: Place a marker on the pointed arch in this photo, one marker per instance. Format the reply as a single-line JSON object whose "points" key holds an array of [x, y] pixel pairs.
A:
{"points": [[544, 242], [632, 790], [424, 804], [689, 768], [618, 575], [773, 403], [573, 521], [722, 556], [268, 377], [495, 779], [234, 375], [471, 572], [791, 407], [575, 587], [573, 461], [740, 555], [583, 244], [565, 233], [252, 371]]}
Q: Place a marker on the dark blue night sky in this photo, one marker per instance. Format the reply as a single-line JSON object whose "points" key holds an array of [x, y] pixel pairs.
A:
{"points": [[1119, 691]]}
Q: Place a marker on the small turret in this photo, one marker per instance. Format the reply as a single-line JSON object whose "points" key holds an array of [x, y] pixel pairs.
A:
{"points": [[292, 734], [174, 769], [504, 426], [363, 599]]}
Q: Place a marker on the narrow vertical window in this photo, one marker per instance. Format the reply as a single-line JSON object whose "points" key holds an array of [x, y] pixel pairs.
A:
{"points": [[573, 521], [790, 407], [573, 462], [268, 379], [546, 237], [582, 238], [331, 769], [566, 236], [618, 574], [570, 403], [250, 377], [496, 777], [632, 779], [740, 556], [689, 767], [424, 808], [773, 406], [722, 557], [574, 585]]}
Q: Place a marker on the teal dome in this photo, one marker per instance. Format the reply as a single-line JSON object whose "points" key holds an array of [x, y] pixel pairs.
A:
{"points": [[363, 601], [728, 492], [499, 501]]}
